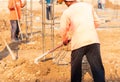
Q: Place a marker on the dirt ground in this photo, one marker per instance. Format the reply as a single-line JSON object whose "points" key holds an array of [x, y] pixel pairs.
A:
{"points": [[58, 69]]}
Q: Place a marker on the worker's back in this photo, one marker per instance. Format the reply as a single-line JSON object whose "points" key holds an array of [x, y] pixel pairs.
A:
{"points": [[81, 19]]}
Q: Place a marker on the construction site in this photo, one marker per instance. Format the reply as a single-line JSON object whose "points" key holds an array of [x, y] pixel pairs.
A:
{"points": [[39, 36]]}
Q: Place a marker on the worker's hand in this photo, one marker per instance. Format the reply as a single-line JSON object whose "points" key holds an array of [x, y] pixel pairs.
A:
{"points": [[65, 42], [11, 8]]}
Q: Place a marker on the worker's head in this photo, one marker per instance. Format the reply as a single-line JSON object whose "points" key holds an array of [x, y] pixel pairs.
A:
{"points": [[69, 2], [60, 1]]}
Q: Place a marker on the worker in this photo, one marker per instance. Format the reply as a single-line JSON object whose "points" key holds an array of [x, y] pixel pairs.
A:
{"points": [[14, 7], [78, 23], [49, 9]]}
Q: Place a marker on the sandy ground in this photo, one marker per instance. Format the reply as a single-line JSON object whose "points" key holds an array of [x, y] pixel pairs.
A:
{"points": [[58, 69]]}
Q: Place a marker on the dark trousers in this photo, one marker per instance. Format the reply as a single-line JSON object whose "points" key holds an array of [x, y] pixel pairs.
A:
{"points": [[49, 12], [99, 6], [14, 29], [92, 53]]}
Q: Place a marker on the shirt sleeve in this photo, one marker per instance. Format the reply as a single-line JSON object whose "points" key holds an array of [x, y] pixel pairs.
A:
{"points": [[64, 26], [96, 19]]}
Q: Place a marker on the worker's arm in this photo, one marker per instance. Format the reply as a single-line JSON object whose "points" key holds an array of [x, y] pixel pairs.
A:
{"points": [[11, 5], [64, 29], [96, 19], [23, 3]]}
